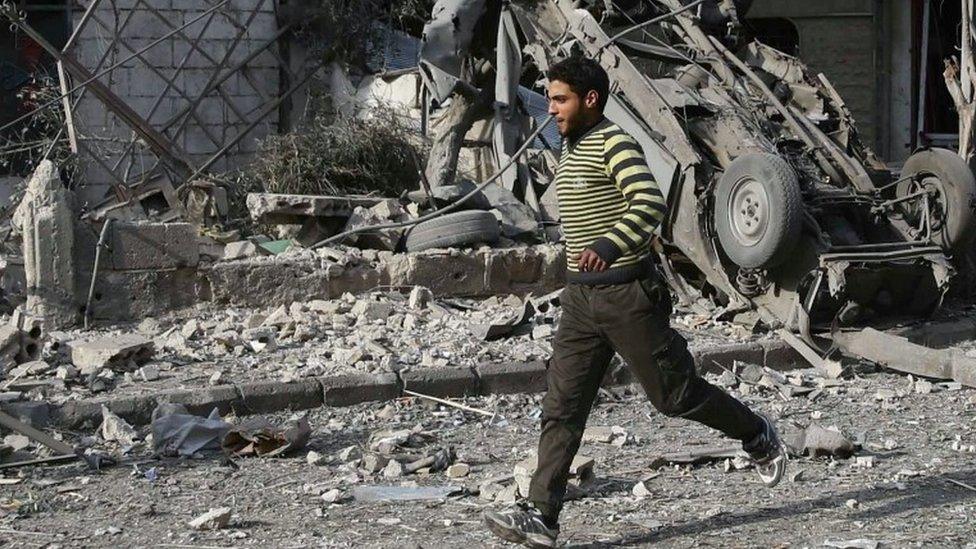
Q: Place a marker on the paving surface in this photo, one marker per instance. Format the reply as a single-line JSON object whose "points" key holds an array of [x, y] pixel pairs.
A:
{"points": [[919, 490]]}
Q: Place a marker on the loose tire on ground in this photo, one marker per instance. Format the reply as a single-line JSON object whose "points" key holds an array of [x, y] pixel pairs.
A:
{"points": [[454, 229], [953, 180], [758, 210]]}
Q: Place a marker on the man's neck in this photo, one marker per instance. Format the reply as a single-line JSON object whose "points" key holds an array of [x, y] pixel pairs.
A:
{"points": [[577, 134]]}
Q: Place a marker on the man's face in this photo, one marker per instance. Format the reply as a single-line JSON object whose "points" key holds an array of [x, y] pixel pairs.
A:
{"points": [[571, 111]]}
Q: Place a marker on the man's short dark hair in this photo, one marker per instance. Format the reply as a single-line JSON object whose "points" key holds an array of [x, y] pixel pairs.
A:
{"points": [[582, 74]]}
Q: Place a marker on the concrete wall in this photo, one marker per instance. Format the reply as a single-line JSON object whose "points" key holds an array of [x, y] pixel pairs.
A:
{"points": [[149, 95], [837, 38]]}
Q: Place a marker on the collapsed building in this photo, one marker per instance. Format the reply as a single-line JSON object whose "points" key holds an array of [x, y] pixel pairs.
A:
{"points": [[777, 207]]}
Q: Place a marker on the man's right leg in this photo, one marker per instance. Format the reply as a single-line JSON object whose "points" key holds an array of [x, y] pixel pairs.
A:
{"points": [[579, 361], [580, 358]]}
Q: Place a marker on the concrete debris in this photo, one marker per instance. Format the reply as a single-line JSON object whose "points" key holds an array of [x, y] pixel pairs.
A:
{"points": [[817, 441], [385, 239], [315, 458], [900, 354], [458, 470], [17, 442], [420, 297], [45, 221], [641, 490], [349, 453], [393, 470], [214, 519], [581, 475], [332, 496], [122, 352], [861, 543], [403, 493], [116, 429], [242, 250], [695, 457], [258, 437]]}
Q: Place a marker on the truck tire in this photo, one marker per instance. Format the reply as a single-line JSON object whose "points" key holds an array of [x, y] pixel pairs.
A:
{"points": [[950, 175], [453, 230], [758, 210]]}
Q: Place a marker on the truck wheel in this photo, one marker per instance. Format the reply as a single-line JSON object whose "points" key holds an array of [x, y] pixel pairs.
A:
{"points": [[758, 210], [953, 196], [453, 230]]}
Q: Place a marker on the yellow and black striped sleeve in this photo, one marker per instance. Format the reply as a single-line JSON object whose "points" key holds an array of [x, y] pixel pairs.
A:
{"points": [[627, 168]]}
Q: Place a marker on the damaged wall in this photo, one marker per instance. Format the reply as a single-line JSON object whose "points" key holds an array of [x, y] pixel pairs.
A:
{"points": [[138, 23], [838, 38]]}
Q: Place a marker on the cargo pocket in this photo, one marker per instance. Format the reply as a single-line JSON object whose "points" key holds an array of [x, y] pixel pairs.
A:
{"points": [[656, 290]]}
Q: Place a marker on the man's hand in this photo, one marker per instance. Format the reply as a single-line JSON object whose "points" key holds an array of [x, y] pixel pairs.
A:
{"points": [[589, 261]]}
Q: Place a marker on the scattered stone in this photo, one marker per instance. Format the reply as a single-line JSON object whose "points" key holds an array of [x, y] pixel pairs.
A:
{"points": [[458, 470], [393, 469], [332, 496], [315, 458], [374, 463], [865, 462], [797, 476], [923, 387], [402, 493], [116, 429], [372, 310], [420, 297], [241, 250], [598, 434], [110, 352], [214, 519], [852, 504], [190, 329], [66, 373], [641, 490], [853, 544], [261, 339], [215, 377], [817, 441], [543, 331], [149, 372], [17, 442], [349, 453]]}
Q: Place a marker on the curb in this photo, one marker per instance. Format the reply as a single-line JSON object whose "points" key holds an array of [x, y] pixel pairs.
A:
{"points": [[346, 390]]}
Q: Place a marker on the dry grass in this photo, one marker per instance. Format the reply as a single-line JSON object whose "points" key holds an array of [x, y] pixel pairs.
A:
{"points": [[341, 155]]}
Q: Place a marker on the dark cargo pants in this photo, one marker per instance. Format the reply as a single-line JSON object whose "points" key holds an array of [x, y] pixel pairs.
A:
{"points": [[632, 319]]}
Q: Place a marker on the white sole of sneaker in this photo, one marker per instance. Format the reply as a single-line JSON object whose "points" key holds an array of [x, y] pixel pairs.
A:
{"points": [[503, 532]]}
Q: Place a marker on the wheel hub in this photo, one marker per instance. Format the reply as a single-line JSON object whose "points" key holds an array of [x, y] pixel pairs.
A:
{"points": [[748, 211]]}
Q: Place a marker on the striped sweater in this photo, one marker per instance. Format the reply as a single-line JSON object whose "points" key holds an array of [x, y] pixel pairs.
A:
{"points": [[609, 202]]}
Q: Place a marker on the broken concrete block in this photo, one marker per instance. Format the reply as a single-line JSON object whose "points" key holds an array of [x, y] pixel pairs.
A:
{"points": [[458, 470], [242, 250], [332, 496], [641, 490], [46, 222], [393, 469], [315, 458], [580, 473], [149, 372], [260, 339], [110, 352], [294, 209], [598, 434], [420, 297], [9, 347], [389, 209], [116, 429], [372, 310], [386, 239], [214, 519], [147, 246], [17, 442], [445, 195]]}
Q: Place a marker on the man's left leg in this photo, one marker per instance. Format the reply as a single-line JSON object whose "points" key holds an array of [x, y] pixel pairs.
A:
{"points": [[637, 322]]}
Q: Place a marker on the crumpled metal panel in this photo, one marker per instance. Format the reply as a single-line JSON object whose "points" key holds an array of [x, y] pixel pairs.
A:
{"points": [[447, 39]]}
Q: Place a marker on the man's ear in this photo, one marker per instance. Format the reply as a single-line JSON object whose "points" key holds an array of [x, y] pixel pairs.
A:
{"points": [[592, 99]]}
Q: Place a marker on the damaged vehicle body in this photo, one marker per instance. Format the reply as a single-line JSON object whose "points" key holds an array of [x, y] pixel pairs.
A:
{"points": [[775, 204]]}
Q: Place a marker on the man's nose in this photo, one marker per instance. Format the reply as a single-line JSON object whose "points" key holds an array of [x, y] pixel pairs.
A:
{"points": [[552, 108]]}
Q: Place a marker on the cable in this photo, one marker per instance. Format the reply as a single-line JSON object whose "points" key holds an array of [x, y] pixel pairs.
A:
{"points": [[445, 209]]}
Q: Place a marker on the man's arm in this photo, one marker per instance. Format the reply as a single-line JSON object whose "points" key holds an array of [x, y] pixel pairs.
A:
{"points": [[646, 206]]}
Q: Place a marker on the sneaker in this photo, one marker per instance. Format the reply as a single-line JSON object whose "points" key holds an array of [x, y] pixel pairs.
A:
{"points": [[523, 524], [768, 453]]}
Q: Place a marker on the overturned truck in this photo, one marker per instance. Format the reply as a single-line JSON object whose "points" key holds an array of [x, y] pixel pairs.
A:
{"points": [[775, 203]]}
